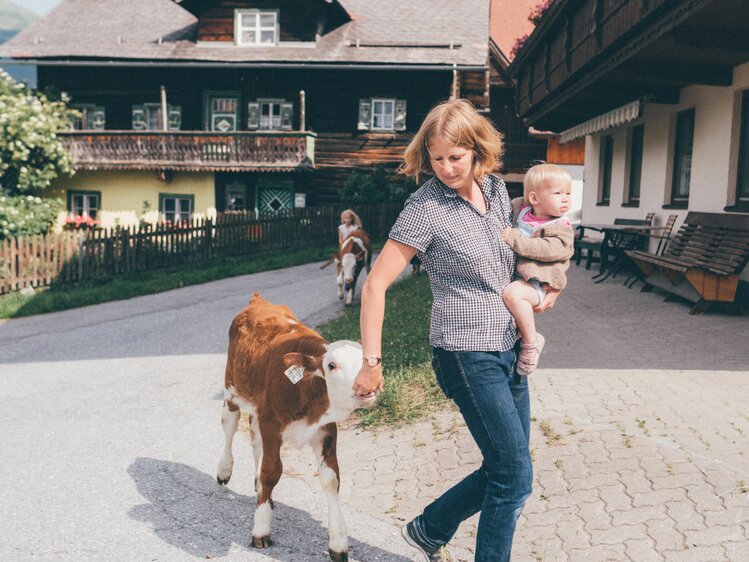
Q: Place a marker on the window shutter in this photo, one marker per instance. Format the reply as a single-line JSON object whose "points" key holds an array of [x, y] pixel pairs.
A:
{"points": [[253, 115], [287, 116], [365, 114], [399, 121], [140, 122], [175, 117], [98, 121]]}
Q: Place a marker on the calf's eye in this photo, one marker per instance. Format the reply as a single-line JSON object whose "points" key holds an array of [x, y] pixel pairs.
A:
{"points": [[331, 366]]}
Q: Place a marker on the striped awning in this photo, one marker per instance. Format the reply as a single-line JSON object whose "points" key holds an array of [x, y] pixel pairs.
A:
{"points": [[613, 118]]}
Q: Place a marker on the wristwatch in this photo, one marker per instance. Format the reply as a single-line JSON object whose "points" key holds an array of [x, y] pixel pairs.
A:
{"points": [[372, 360]]}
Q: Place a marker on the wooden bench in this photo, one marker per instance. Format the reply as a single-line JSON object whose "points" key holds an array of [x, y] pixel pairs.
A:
{"points": [[703, 261]]}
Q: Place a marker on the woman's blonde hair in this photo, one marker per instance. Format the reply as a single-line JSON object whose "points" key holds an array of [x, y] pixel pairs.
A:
{"points": [[354, 217], [459, 123], [540, 173]]}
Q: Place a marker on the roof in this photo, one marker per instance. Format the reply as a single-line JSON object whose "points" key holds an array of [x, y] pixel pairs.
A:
{"points": [[116, 30]]}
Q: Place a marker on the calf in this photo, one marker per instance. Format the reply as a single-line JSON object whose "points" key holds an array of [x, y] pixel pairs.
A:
{"points": [[295, 386], [354, 254]]}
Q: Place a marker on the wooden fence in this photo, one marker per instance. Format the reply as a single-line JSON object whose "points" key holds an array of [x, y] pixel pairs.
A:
{"points": [[55, 259]]}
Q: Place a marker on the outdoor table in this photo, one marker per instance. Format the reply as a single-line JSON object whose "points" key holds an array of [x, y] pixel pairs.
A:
{"points": [[617, 238]]}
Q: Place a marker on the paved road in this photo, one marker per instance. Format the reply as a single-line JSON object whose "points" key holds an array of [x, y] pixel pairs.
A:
{"points": [[111, 434]]}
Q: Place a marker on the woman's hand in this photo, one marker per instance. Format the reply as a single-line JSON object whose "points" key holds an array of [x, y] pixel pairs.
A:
{"points": [[549, 299], [505, 233], [368, 380]]}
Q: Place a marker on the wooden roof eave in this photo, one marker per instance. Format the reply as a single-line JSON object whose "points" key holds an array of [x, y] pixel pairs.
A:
{"points": [[623, 66]]}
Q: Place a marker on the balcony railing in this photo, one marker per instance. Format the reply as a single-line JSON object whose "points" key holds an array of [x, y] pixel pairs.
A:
{"points": [[190, 150]]}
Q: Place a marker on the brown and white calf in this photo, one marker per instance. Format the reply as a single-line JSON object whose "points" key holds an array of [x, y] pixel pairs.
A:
{"points": [[295, 386], [354, 254]]}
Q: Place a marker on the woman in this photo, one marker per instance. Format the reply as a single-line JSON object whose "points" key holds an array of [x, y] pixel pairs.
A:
{"points": [[453, 223]]}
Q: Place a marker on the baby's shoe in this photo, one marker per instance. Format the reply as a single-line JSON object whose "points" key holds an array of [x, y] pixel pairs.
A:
{"points": [[529, 354]]}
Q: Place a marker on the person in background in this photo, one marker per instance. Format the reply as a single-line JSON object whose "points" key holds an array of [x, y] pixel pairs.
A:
{"points": [[453, 222], [350, 222], [544, 240]]}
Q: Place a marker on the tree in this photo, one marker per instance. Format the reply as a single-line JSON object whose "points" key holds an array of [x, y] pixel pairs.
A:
{"points": [[375, 187], [31, 153]]}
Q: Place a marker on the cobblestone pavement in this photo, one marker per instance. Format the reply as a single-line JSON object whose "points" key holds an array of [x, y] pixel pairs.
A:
{"points": [[640, 438]]}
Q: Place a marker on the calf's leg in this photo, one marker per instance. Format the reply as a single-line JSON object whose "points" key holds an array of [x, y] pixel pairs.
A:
{"points": [[339, 281], [324, 448], [270, 473], [229, 421]]}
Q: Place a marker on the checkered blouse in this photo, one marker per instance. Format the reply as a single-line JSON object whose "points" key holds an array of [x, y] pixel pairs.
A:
{"points": [[467, 262]]}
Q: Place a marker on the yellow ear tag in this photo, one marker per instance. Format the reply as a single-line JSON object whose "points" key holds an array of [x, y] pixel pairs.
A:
{"points": [[294, 373]]}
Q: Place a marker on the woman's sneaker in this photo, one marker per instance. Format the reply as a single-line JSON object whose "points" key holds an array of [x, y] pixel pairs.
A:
{"points": [[432, 553]]}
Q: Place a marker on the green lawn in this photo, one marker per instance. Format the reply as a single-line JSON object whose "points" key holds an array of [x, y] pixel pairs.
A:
{"points": [[410, 390]]}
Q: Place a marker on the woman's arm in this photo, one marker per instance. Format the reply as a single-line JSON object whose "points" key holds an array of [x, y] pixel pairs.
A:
{"points": [[391, 261]]}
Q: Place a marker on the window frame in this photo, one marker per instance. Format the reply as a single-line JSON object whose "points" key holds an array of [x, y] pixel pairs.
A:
{"points": [[72, 193], [258, 28], [373, 113], [606, 166], [177, 197], [84, 108], [741, 200], [635, 156], [272, 102], [678, 200]]}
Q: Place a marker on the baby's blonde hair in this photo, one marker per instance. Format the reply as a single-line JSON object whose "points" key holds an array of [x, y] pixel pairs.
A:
{"points": [[459, 123], [540, 173], [354, 217]]}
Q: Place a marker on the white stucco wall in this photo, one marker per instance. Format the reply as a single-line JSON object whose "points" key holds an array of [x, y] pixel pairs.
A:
{"points": [[714, 156]]}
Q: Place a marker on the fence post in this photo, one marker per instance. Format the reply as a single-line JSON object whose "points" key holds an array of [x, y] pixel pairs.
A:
{"points": [[207, 239]]}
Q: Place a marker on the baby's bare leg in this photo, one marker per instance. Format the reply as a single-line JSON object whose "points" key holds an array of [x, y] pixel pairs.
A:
{"points": [[520, 297]]}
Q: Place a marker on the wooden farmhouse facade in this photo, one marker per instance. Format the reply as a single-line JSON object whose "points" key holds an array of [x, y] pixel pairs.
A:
{"points": [[660, 91], [188, 105]]}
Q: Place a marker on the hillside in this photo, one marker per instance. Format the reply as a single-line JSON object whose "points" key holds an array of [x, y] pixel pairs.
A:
{"points": [[13, 19]]}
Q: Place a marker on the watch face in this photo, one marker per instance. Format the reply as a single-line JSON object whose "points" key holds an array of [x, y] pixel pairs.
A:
{"points": [[372, 361]]}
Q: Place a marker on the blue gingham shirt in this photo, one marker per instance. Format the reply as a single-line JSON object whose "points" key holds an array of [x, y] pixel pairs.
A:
{"points": [[468, 263]]}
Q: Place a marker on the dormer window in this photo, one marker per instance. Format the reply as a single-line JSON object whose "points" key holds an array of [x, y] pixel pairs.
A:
{"points": [[255, 28]]}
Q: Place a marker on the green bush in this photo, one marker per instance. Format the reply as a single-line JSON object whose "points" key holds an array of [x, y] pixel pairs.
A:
{"points": [[26, 214], [31, 153]]}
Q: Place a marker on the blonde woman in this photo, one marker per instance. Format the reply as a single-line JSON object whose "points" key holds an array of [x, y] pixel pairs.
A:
{"points": [[453, 222], [350, 222]]}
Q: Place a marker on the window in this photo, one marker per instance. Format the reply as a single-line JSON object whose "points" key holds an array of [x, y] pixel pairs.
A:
{"points": [[635, 164], [270, 114], [382, 114], [148, 117], [84, 203], [176, 208], [253, 27], [92, 117], [235, 196], [682, 157], [607, 159], [742, 187]]}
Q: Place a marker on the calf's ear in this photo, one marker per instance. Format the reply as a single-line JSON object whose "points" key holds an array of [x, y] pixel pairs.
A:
{"points": [[297, 359]]}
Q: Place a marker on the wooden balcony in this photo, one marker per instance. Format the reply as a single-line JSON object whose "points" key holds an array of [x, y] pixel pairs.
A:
{"points": [[587, 57], [191, 150]]}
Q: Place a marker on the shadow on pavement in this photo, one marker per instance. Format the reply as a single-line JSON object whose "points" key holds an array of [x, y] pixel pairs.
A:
{"points": [[189, 510]]}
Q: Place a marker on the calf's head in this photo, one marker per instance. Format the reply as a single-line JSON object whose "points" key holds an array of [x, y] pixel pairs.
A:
{"points": [[338, 365]]}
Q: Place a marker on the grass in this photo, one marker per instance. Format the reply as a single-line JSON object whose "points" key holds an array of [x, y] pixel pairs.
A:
{"points": [[131, 285], [410, 391]]}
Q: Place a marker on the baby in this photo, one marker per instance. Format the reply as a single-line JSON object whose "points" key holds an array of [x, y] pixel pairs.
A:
{"points": [[544, 239]]}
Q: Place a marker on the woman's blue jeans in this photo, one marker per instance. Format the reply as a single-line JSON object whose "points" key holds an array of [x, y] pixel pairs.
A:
{"points": [[495, 404]]}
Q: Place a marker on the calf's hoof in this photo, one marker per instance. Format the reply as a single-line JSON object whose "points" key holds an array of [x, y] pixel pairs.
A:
{"points": [[223, 481], [261, 542], [338, 556]]}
